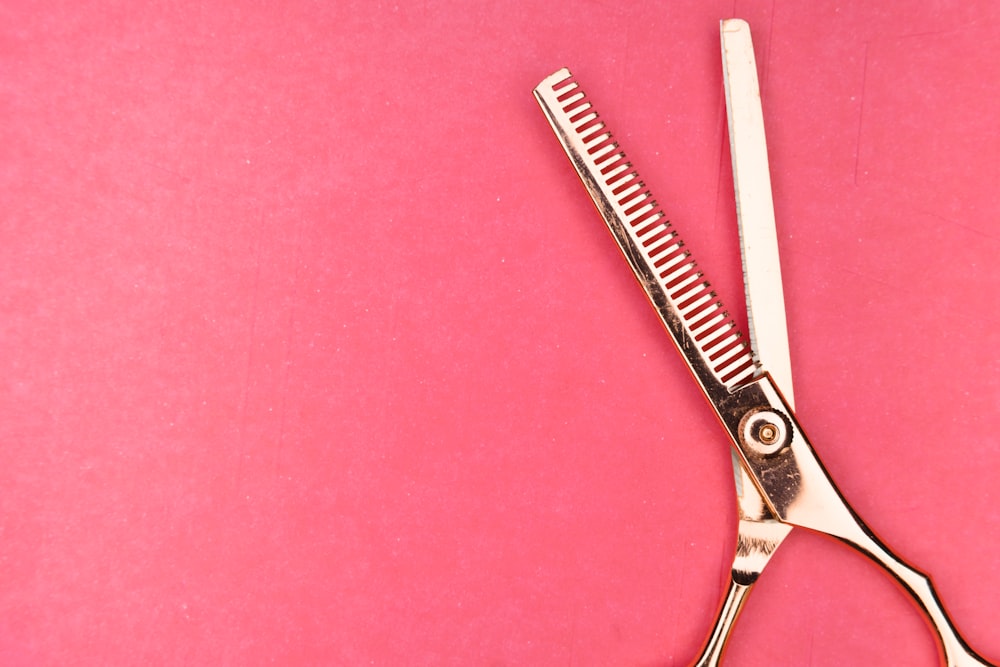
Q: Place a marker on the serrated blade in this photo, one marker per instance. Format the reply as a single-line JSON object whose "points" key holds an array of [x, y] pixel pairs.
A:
{"points": [[700, 327]]}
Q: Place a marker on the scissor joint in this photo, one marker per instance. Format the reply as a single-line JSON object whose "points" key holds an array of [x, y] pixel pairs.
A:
{"points": [[765, 432]]}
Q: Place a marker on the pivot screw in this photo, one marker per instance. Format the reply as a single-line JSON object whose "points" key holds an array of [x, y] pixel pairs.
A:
{"points": [[768, 434], [765, 432]]}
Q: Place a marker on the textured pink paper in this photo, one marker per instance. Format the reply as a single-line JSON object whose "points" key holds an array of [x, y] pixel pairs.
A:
{"points": [[316, 353]]}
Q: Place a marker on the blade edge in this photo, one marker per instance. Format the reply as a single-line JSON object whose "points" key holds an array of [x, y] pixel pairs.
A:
{"points": [[755, 207]]}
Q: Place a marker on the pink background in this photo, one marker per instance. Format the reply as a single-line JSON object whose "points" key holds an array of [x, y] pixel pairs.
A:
{"points": [[315, 351]]}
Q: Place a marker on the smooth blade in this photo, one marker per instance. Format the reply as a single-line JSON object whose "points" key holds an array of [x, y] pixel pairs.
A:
{"points": [[755, 208]]}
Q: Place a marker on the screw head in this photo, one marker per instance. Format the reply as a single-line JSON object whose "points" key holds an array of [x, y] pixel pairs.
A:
{"points": [[765, 432], [768, 434]]}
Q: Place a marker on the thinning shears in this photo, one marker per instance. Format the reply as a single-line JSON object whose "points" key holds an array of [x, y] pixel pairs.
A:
{"points": [[780, 481]]}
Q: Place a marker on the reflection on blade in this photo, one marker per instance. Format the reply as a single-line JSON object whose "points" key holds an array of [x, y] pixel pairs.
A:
{"points": [[701, 329], [755, 208]]}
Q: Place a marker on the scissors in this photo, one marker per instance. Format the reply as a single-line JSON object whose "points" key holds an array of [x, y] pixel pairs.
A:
{"points": [[781, 483]]}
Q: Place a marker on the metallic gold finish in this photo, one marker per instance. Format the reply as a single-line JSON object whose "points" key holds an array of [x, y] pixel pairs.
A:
{"points": [[765, 432], [764, 301], [754, 206], [800, 492], [695, 318], [768, 434], [783, 473], [732, 605]]}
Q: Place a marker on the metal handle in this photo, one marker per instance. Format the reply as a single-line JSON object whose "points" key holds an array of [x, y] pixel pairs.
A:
{"points": [[801, 492], [955, 651], [715, 646]]}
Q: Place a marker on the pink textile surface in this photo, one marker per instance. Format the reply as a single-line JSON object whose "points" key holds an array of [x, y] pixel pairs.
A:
{"points": [[315, 351]]}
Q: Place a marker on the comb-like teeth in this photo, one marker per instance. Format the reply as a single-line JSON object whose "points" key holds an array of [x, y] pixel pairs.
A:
{"points": [[647, 217], [634, 202], [699, 324], [605, 150], [680, 291], [597, 137], [593, 125], [613, 173], [667, 264], [611, 157], [710, 324], [636, 213], [653, 229], [630, 192], [628, 181], [715, 353], [639, 204], [679, 278], [672, 276], [667, 257], [693, 295], [713, 340], [745, 374], [661, 234], [661, 254], [577, 110], [736, 351], [719, 339], [619, 176], [605, 140], [560, 80], [734, 366], [577, 121], [693, 307], [567, 90]]}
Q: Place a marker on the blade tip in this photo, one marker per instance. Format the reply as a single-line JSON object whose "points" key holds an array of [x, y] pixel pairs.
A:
{"points": [[733, 25], [551, 80]]}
